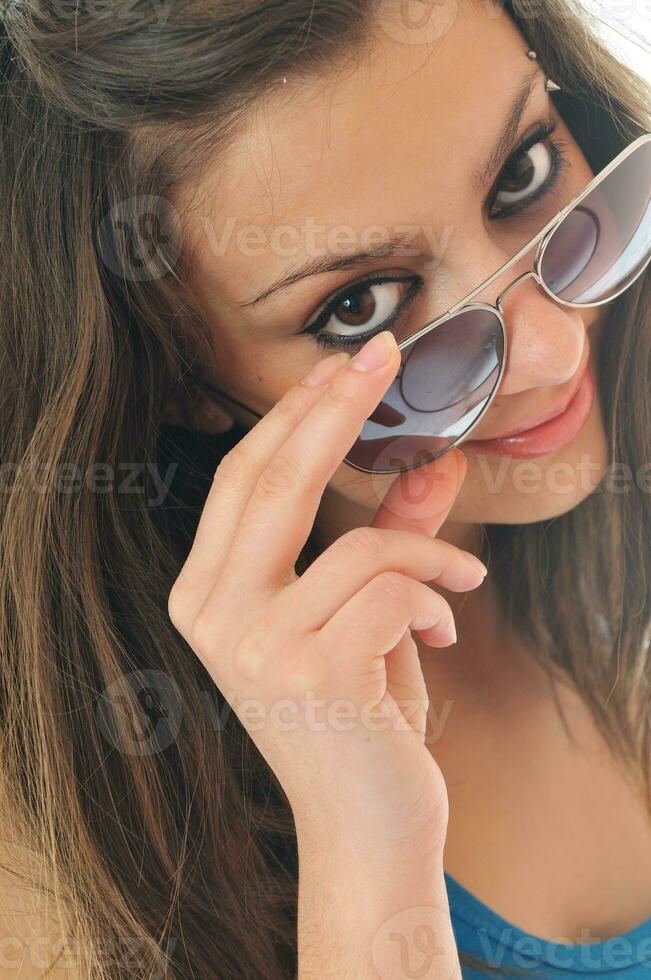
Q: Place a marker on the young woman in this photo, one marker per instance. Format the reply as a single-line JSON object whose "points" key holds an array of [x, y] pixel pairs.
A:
{"points": [[239, 739]]}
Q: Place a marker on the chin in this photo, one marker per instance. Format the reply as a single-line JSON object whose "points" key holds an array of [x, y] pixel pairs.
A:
{"points": [[508, 490]]}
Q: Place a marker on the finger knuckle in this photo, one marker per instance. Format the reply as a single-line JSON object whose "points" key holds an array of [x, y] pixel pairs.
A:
{"points": [[443, 548], [303, 682], [176, 604], [288, 408], [392, 585], [366, 542], [204, 635], [440, 609], [283, 477], [342, 395], [252, 657], [233, 468]]}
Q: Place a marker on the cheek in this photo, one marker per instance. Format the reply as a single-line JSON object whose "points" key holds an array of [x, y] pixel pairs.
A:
{"points": [[259, 364], [258, 373]]}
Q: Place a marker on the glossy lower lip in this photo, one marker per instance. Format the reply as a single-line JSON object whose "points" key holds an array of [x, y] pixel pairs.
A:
{"points": [[549, 436]]}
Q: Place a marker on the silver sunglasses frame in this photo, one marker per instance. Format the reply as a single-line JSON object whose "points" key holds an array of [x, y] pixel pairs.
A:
{"points": [[541, 239]]}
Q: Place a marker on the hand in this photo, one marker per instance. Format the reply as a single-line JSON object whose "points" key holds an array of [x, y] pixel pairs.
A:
{"points": [[328, 657]]}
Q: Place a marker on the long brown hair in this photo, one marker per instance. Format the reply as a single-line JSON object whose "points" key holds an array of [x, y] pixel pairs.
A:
{"points": [[153, 825]]}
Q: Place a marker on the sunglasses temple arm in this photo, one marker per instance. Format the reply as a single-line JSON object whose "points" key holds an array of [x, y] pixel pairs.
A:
{"points": [[229, 398]]}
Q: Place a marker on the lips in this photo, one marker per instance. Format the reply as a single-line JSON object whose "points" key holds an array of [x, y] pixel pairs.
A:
{"points": [[550, 436], [535, 420]]}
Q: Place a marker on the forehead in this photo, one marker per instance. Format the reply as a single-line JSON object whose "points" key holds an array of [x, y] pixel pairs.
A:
{"points": [[358, 149]]}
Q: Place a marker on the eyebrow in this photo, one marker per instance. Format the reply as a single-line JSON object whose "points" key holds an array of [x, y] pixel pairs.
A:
{"points": [[505, 142], [397, 244]]}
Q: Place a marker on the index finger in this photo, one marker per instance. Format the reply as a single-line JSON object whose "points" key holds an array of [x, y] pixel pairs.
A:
{"points": [[283, 505]]}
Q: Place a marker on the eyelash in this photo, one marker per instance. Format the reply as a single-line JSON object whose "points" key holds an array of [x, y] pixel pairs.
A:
{"points": [[559, 163]]}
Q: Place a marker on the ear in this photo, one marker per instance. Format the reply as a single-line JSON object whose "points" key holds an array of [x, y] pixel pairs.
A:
{"points": [[195, 410]]}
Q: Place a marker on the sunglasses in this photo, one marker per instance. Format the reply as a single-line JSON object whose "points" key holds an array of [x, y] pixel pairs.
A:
{"points": [[589, 253]]}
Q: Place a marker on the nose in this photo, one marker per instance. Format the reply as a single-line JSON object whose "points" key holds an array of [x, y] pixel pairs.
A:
{"points": [[544, 340]]}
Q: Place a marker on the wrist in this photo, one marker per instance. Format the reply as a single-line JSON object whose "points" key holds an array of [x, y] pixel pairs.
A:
{"points": [[347, 841], [385, 913], [350, 852]]}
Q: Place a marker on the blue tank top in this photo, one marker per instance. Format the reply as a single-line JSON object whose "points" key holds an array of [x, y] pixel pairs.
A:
{"points": [[488, 937]]}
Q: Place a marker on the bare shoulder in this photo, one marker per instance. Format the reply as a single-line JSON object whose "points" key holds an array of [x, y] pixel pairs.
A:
{"points": [[31, 944]]}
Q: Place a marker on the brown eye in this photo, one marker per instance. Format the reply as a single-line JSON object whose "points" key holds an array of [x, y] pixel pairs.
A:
{"points": [[523, 175], [353, 315], [362, 308]]}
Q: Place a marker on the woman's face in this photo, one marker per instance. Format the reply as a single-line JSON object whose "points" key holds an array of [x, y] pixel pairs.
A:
{"points": [[411, 143]]}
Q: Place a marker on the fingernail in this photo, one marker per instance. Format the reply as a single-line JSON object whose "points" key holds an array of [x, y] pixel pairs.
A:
{"points": [[375, 353], [479, 565], [325, 369], [451, 632]]}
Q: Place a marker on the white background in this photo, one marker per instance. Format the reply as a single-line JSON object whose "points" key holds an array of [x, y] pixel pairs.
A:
{"points": [[625, 25]]}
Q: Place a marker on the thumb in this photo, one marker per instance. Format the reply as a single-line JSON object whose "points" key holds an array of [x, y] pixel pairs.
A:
{"points": [[420, 499]]}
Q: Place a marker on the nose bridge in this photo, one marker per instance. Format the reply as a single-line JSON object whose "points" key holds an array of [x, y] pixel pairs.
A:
{"points": [[539, 357], [512, 285]]}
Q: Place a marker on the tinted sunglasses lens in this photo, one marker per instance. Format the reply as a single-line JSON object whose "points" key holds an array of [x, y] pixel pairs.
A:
{"points": [[445, 381], [604, 242]]}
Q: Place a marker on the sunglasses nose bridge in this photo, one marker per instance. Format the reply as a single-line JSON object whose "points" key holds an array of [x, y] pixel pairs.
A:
{"points": [[516, 282]]}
